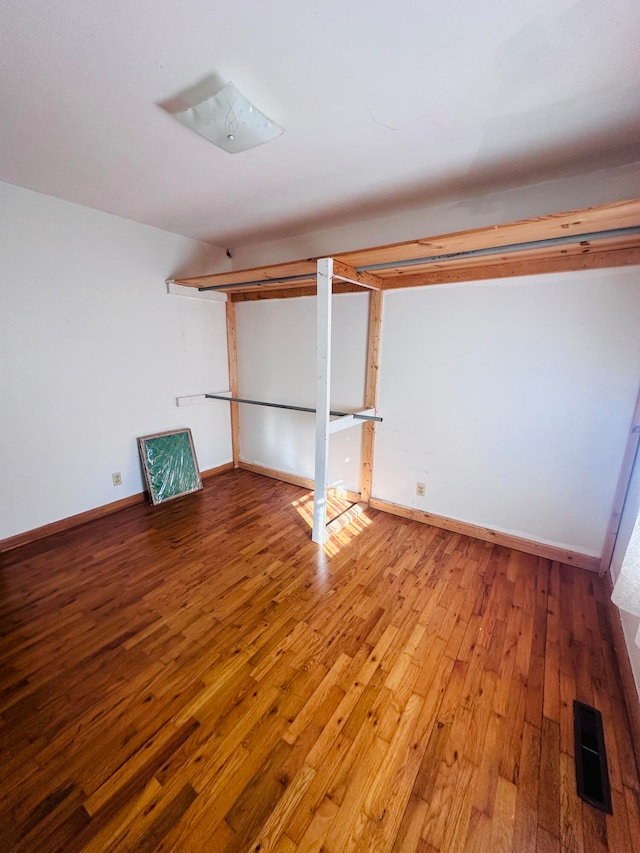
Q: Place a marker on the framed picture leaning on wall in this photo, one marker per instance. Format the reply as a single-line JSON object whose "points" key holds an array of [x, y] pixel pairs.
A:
{"points": [[169, 464]]}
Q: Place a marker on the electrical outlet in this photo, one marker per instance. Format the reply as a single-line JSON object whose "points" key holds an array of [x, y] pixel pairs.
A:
{"points": [[420, 490], [117, 478]]}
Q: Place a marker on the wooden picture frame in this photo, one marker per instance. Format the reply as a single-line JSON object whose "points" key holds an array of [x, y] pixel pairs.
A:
{"points": [[169, 464]]}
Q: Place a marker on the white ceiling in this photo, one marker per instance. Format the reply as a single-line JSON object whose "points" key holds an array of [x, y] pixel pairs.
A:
{"points": [[385, 105]]}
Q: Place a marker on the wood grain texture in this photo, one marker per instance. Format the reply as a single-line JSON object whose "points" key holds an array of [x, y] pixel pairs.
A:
{"points": [[564, 258], [513, 265], [578, 254], [72, 521], [528, 546], [371, 392], [288, 291], [576, 247], [274, 272], [622, 214], [200, 676], [342, 271]]}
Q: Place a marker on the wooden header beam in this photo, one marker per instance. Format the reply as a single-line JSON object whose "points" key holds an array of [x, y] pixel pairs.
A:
{"points": [[274, 273], [290, 292], [606, 217], [589, 246], [513, 267], [602, 241]]}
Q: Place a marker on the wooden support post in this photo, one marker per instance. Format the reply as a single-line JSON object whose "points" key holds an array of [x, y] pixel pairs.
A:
{"points": [[371, 392], [624, 478], [323, 387], [232, 350]]}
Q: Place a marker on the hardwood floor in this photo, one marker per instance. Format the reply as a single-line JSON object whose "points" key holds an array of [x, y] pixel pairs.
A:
{"points": [[200, 676]]}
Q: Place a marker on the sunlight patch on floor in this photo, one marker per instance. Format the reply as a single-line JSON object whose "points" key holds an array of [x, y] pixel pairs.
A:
{"points": [[346, 519]]}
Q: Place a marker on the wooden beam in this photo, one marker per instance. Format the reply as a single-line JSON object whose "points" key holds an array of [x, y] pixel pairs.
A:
{"points": [[232, 349], [272, 272], [478, 269], [607, 217], [610, 252], [513, 268], [289, 292], [622, 214], [323, 392], [535, 252], [349, 274], [624, 478], [371, 392], [250, 287]]}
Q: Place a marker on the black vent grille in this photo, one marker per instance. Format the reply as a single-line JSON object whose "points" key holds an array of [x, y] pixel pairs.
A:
{"points": [[592, 773]]}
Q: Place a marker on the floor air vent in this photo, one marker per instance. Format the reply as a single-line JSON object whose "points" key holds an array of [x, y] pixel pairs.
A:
{"points": [[592, 774]]}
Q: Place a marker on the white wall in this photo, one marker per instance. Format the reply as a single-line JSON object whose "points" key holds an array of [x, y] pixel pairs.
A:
{"points": [[511, 400], [276, 363], [93, 353], [480, 211], [631, 511]]}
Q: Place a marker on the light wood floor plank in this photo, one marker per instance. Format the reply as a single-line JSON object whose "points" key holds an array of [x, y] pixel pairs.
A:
{"points": [[200, 676]]}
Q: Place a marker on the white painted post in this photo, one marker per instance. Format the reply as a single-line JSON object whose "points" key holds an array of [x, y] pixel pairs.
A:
{"points": [[323, 387]]}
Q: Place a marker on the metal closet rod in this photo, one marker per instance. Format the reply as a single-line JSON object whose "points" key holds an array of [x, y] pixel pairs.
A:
{"points": [[592, 237], [290, 408]]}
